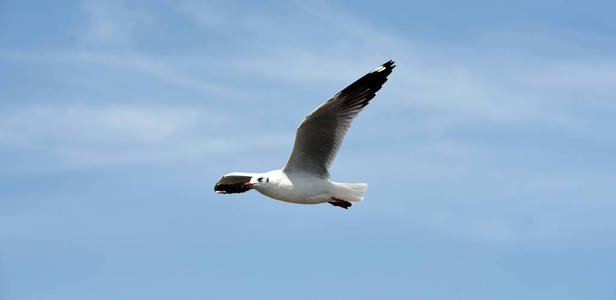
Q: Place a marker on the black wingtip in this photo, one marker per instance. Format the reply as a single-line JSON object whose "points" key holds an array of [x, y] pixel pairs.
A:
{"points": [[384, 70], [388, 66], [371, 83], [391, 64]]}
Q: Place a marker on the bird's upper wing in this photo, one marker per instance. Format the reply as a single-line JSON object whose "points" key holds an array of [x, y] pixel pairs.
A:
{"points": [[320, 135], [233, 183]]}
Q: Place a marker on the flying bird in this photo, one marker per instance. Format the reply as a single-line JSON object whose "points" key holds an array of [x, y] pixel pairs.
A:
{"points": [[305, 179]]}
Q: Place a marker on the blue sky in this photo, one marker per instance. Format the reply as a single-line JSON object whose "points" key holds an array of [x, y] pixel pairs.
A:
{"points": [[489, 153]]}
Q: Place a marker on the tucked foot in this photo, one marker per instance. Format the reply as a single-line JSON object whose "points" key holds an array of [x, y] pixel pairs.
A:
{"points": [[339, 202]]}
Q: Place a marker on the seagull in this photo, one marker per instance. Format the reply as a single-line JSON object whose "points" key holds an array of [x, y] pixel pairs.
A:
{"points": [[305, 179]]}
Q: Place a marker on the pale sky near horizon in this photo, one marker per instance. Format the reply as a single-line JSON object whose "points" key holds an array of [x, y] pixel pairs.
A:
{"points": [[489, 154]]}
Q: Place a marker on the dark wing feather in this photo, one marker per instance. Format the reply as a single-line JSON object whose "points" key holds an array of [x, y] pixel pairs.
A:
{"points": [[320, 135]]}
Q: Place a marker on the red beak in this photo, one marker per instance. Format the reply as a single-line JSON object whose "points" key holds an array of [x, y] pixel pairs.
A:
{"points": [[248, 184]]}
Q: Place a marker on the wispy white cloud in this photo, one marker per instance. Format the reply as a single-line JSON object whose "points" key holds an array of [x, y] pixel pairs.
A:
{"points": [[170, 70], [111, 23], [167, 69], [94, 135]]}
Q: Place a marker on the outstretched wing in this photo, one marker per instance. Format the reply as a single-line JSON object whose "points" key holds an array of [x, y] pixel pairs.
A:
{"points": [[320, 135], [233, 183]]}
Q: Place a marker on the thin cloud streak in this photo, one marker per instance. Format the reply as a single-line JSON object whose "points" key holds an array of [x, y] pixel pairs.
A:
{"points": [[163, 68], [99, 135]]}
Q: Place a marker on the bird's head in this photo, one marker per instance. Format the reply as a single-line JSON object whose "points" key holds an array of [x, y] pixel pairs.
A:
{"points": [[257, 181]]}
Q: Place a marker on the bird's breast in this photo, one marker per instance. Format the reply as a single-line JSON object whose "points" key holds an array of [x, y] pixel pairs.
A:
{"points": [[299, 191]]}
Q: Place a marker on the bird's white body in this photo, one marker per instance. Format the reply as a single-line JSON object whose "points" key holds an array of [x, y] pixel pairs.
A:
{"points": [[305, 188]]}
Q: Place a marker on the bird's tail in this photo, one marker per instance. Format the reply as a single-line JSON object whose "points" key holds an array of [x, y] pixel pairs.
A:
{"points": [[351, 192]]}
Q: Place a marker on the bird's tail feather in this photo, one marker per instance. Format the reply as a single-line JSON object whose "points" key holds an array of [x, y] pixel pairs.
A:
{"points": [[351, 192]]}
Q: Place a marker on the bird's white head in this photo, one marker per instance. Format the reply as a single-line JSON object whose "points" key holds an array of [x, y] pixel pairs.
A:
{"points": [[258, 181], [265, 181]]}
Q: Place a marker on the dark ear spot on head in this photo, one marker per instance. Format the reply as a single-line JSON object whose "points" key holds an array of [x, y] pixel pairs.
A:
{"points": [[267, 180]]}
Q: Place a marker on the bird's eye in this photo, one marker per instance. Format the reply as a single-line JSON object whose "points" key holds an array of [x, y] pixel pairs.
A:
{"points": [[260, 179], [267, 180]]}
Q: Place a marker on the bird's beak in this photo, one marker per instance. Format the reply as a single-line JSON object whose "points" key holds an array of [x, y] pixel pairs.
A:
{"points": [[248, 184]]}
